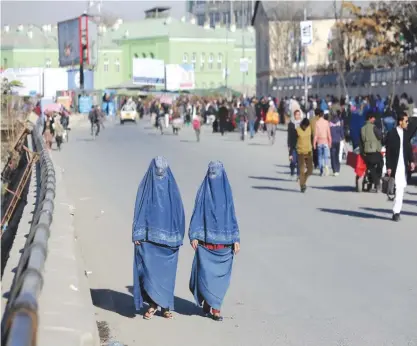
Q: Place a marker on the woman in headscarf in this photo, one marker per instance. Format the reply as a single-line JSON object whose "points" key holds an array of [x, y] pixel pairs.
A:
{"points": [[293, 125], [214, 235], [48, 131], [157, 232]]}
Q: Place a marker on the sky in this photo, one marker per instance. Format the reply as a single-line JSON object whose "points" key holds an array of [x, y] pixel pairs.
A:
{"points": [[14, 12]]}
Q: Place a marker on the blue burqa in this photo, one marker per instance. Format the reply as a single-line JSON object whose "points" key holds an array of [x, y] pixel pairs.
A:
{"points": [[214, 222], [159, 225]]}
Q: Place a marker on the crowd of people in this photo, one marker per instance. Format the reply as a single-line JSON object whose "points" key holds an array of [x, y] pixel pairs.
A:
{"points": [[320, 131]]}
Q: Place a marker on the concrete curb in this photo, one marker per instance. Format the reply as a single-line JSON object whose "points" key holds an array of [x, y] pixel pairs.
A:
{"points": [[65, 307]]}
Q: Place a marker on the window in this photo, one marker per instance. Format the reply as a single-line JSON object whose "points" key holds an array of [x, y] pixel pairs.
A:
{"points": [[48, 63], [5, 63], [151, 55], [202, 61], [193, 58], [212, 85], [210, 61], [136, 55], [185, 58], [204, 85], [220, 84], [106, 65], [144, 55], [117, 65], [219, 61]]}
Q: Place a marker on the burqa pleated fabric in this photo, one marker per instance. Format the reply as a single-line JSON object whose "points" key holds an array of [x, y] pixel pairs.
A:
{"points": [[213, 222], [159, 225]]}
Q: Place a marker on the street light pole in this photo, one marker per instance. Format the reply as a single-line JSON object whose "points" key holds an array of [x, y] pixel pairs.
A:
{"points": [[305, 64]]}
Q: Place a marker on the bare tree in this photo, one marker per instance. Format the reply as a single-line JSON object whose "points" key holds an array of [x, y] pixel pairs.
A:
{"points": [[284, 39]]}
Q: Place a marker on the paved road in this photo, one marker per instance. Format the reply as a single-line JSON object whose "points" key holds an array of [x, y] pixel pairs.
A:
{"points": [[323, 268]]}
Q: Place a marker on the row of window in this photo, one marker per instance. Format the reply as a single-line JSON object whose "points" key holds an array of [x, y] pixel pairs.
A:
{"points": [[211, 85], [210, 60]]}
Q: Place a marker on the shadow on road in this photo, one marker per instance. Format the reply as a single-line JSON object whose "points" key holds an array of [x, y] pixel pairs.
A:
{"points": [[274, 188], [335, 188], [260, 144], [388, 211], [89, 139], [118, 302], [352, 213], [269, 178], [182, 306], [412, 193], [409, 201]]}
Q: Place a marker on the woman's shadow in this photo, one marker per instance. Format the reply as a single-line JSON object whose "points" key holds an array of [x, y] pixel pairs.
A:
{"points": [[122, 303]]}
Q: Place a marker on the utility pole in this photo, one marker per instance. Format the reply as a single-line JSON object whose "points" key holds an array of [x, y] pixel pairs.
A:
{"points": [[305, 64], [243, 44], [226, 72]]}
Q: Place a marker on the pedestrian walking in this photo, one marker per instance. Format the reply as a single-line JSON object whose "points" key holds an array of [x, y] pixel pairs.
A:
{"points": [[242, 120], [271, 122], [323, 142], [313, 122], [304, 152], [197, 126], [157, 233], [337, 134], [293, 125], [214, 235], [371, 145], [251, 112], [399, 159], [59, 132]]}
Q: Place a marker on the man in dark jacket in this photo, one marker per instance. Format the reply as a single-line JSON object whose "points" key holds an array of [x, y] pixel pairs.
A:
{"points": [[370, 146], [399, 160]]}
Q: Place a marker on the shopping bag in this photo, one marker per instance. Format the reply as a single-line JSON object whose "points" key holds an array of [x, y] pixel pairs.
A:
{"points": [[360, 168]]}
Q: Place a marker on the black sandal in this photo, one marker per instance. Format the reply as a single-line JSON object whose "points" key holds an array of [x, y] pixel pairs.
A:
{"points": [[217, 318], [167, 314], [150, 313]]}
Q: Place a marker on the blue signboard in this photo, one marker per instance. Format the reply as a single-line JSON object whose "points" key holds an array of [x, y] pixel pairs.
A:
{"points": [[84, 104]]}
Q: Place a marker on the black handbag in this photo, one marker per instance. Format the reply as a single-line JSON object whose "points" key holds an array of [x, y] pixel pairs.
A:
{"points": [[388, 186]]}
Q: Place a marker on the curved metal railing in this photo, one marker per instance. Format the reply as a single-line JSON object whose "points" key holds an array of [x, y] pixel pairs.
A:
{"points": [[20, 319]]}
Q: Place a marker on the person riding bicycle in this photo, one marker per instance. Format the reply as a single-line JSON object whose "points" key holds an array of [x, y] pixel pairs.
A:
{"points": [[93, 116], [370, 146]]}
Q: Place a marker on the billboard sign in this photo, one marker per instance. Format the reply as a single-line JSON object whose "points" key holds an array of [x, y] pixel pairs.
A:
{"points": [[148, 72], [69, 42], [180, 77], [92, 42], [31, 79]]}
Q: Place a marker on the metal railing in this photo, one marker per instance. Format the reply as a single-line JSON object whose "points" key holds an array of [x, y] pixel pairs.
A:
{"points": [[20, 320], [355, 78]]}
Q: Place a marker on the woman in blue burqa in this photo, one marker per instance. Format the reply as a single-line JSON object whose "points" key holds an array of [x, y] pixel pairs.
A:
{"points": [[157, 234], [214, 235]]}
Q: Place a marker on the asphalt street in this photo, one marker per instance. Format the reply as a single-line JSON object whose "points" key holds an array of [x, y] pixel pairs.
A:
{"points": [[323, 268]]}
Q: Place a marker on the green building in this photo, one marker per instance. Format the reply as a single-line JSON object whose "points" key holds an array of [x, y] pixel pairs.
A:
{"points": [[213, 51]]}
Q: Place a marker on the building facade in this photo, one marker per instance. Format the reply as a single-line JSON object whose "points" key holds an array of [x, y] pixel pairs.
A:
{"points": [[279, 53], [223, 12], [215, 53]]}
